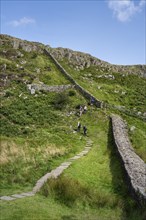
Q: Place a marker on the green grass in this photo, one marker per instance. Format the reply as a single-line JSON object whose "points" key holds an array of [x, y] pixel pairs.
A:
{"points": [[92, 188], [112, 91], [38, 65], [42, 208], [38, 134], [97, 180], [138, 135]]}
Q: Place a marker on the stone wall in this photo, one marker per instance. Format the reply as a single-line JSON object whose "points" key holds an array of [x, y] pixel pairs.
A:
{"points": [[86, 94], [42, 87], [134, 166]]}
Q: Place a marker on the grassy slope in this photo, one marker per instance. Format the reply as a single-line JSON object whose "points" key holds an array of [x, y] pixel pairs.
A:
{"points": [[38, 135], [34, 132], [35, 129], [110, 91], [92, 188]]}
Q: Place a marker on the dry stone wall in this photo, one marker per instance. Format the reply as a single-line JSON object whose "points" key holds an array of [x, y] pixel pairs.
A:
{"points": [[86, 94], [134, 166], [42, 87]]}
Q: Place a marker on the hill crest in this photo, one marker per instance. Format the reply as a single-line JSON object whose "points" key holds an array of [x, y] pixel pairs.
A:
{"points": [[77, 60]]}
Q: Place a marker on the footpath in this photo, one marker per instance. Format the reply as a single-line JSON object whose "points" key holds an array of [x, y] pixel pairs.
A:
{"points": [[53, 174]]}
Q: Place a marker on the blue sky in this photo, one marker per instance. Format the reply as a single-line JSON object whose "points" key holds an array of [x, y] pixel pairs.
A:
{"points": [[112, 30]]}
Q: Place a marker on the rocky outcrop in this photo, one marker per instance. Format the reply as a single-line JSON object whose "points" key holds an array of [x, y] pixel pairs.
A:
{"points": [[20, 44], [80, 61], [75, 59], [134, 166]]}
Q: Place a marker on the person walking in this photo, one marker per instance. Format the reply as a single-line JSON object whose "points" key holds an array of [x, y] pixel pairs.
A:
{"points": [[79, 126], [85, 109], [85, 130], [81, 110]]}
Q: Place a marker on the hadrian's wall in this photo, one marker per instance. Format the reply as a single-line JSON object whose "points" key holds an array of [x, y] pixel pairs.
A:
{"points": [[134, 166], [86, 94]]}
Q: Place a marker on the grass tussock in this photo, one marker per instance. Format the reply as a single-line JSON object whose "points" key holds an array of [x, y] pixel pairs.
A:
{"points": [[71, 192]]}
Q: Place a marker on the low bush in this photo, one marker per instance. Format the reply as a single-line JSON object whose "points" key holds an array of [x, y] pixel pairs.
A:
{"points": [[71, 93], [60, 101]]}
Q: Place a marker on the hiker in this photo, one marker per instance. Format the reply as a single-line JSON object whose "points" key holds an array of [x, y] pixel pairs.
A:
{"points": [[85, 130], [92, 101], [81, 110], [85, 109], [79, 126]]}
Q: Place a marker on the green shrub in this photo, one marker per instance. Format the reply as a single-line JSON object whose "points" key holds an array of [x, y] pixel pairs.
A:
{"points": [[9, 93], [71, 93], [60, 101]]}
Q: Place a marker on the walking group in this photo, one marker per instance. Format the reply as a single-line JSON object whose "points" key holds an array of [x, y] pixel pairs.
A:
{"points": [[83, 110], [84, 128]]}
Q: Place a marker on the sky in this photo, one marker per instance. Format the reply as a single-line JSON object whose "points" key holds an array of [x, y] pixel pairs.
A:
{"points": [[111, 30]]}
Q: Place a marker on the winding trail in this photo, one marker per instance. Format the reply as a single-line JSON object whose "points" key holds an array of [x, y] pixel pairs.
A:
{"points": [[53, 174]]}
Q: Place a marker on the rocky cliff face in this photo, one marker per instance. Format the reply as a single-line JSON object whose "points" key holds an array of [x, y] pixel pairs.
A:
{"points": [[76, 60], [20, 44], [80, 61]]}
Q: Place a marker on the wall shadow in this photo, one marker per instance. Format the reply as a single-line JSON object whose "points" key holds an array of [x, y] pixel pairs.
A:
{"points": [[120, 182]]}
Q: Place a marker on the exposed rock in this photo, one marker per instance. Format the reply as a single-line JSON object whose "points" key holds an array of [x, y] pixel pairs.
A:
{"points": [[32, 91], [132, 128], [3, 67], [144, 114], [21, 44], [80, 61], [77, 60], [19, 54], [37, 70], [23, 62], [139, 113], [123, 93], [116, 91], [21, 68]]}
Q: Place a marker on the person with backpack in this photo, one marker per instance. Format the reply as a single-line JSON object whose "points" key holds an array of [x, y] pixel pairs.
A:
{"points": [[85, 130], [79, 126]]}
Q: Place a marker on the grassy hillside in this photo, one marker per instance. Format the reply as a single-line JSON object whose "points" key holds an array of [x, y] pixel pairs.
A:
{"points": [[38, 133], [92, 188], [124, 94], [113, 88]]}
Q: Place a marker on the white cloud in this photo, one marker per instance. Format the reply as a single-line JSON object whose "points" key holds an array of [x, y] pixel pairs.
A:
{"points": [[21, 22], [125, 9]]}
